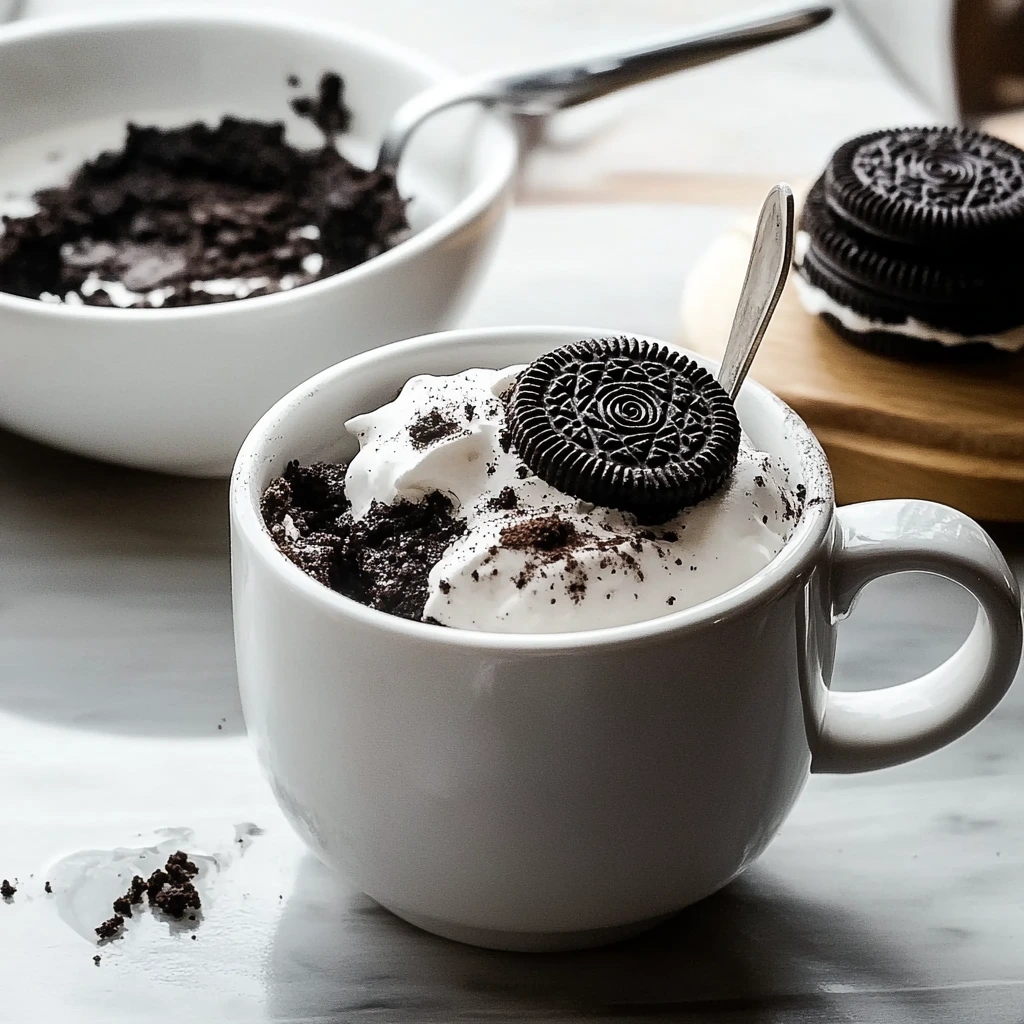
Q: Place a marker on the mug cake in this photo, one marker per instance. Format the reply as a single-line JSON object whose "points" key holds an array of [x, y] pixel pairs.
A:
{"points": [[608, 482]]}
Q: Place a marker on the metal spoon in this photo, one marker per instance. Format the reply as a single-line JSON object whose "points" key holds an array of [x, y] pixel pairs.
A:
{"points": [[770, 258], [545, 90]]}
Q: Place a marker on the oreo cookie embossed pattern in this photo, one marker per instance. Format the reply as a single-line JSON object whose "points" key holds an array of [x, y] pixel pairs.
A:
{"points": [[626, 424], [912, 243]]}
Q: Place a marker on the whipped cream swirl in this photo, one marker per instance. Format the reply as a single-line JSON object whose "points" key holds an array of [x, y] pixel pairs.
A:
{"points": [[533, 559]]}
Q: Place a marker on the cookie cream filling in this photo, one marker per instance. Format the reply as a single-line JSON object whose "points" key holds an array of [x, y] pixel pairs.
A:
{"points": [[533, 559], [816, 301]]}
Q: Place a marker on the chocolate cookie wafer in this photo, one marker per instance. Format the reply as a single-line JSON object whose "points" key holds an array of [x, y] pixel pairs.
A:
{"points": [[910, 243]]}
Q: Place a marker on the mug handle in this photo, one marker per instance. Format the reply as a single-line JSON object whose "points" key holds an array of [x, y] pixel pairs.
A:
{"points": [[869, 729]]}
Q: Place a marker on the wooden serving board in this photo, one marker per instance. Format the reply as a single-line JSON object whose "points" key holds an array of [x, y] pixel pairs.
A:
{"points": [[950, 433]]}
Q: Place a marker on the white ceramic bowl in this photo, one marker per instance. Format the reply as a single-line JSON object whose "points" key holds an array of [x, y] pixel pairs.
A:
{"points": [[177, 390]]}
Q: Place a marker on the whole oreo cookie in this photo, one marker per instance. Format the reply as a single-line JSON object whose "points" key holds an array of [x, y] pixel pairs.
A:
{"points": [[912, 243], [625, 424], [938, 186]]}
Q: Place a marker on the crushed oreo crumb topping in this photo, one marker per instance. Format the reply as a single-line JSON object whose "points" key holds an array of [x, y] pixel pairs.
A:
{"points": [[327, 109], [169, 889], [111, 927], [382, 560], [505, 500], [544, 533], [434, 426]]}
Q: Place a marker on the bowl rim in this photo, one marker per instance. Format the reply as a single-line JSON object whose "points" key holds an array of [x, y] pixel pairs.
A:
{"points": [[489, 191], [795, 561]]}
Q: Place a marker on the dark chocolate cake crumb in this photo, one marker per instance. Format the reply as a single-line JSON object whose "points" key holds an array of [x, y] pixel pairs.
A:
{"points": [[137, 889], [155, 884], [177, 207], [46, 888], [544, 533], [305, 511], [444, 586], [791, 512], [505, 440], [327, 110], [389, 554], [7, 890], [111, 927], [470, 411], [175, 900], [759, 480], [96, 959], [801, 493], [382, 560], [171, 889], [179, 867], [434, 426], [505, 499], [123, 904]]}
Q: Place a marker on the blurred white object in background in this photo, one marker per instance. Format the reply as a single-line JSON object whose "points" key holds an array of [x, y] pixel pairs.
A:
{"points": [[916, 39], [964, 58]]}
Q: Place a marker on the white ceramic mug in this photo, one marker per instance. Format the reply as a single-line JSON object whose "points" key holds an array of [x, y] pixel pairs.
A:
{"points": [[528, 791]]}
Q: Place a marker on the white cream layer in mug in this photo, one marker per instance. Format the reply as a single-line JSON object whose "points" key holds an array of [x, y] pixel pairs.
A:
{"points": [[612, 573]]}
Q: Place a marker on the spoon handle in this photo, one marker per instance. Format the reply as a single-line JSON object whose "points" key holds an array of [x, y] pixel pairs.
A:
{"points": [[770, 258], [548, 89], [545, 90]]}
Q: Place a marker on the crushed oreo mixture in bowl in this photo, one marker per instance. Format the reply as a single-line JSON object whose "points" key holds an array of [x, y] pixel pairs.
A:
{"points": [[198, 214]]}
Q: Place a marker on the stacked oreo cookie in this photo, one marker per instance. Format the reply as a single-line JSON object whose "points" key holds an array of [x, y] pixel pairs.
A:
{"points": [[911, 243]]}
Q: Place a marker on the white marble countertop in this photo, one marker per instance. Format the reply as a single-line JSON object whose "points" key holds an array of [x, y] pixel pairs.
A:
{"points": [[889, 897]]}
